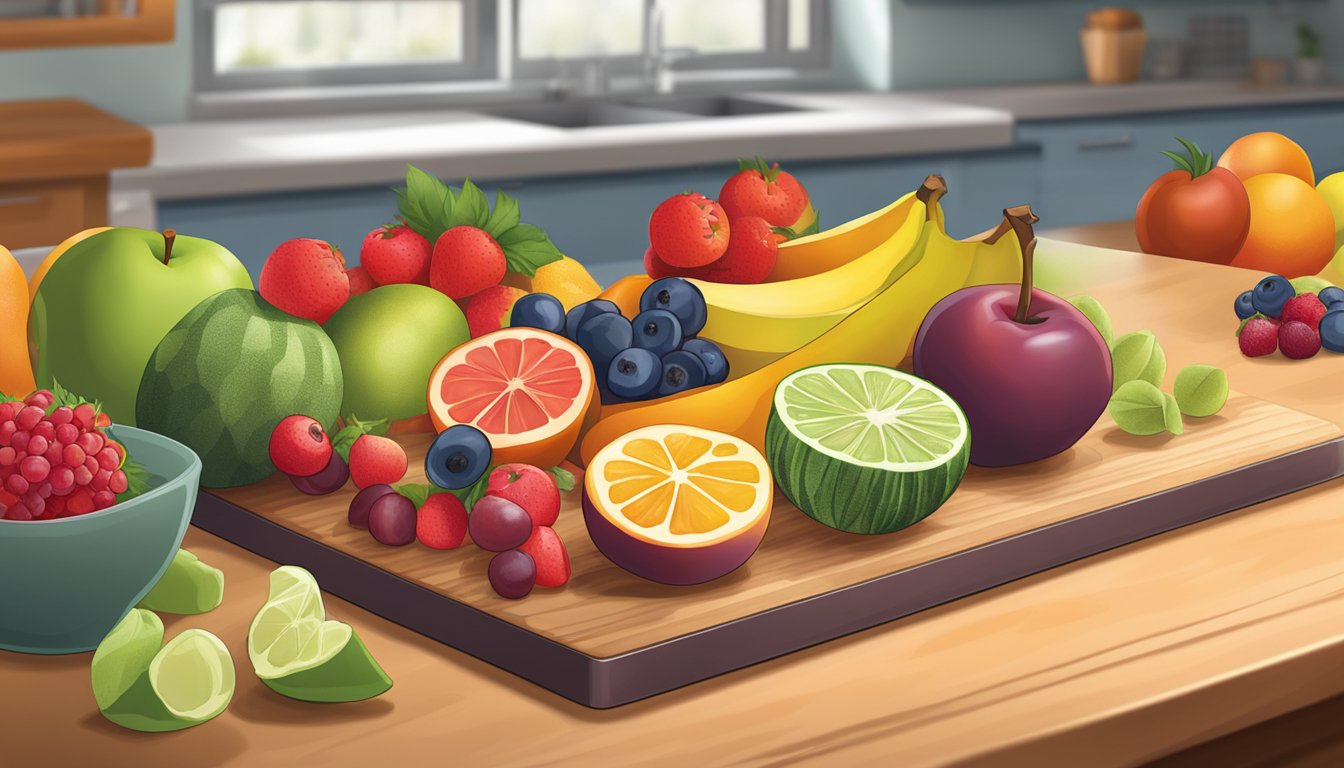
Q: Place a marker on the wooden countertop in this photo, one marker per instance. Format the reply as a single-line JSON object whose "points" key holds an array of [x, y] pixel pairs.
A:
{"points": [[67, 138], [1118, 659]]}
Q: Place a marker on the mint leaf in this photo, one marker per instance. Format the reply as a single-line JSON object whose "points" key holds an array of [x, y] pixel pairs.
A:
{"points": [[472, 209], [505, 216], [564, 479], [522, 233], [529, 256], [422, 202], [352, 431], [418, 493], [137, 480], [473, 493]]}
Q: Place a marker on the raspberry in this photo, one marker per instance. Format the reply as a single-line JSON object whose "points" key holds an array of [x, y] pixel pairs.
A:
{"points": [[62, 416], [1298, 341], [118, 482], [1259, 337], [109, 459], [67, 434], [45, 429], [62, 479], [34, 469], [91, 442], [83, 416], [100, 479], [1306, 308], [53, 454], [441, 522], [41, 399], [37, 445], [82, 476], [299, 446], [28, 417], [376, 460], [72, 456]]}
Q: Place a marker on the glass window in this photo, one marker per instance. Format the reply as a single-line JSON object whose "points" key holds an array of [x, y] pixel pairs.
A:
{"points": [[716, 26], [568, 29]]}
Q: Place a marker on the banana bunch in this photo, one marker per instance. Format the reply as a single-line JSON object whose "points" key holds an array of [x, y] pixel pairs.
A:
{"points": [[758, 324], [880, 331]]}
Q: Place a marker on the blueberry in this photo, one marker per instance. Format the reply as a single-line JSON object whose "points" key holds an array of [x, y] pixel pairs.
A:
{"points": [[634, 374], [681, 371], [458, 457], [679, 297], [1332, 330], [716, 365], [657, 330], [603, 336], [584, 311], [1270, 294], [1244, 306], [538, 310], [1331, 296]]}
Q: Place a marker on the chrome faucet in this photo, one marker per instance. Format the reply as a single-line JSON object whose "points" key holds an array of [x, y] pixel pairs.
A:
{"points": [[658, 59]]}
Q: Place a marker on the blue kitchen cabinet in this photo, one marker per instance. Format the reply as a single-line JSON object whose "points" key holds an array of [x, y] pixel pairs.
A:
{"points": [[601, 219], [1096, 170]]}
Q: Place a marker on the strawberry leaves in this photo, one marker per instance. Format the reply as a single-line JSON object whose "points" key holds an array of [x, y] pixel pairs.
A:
{"points": [[564, 479], [766, 170], [431, 208], [352, 431]]}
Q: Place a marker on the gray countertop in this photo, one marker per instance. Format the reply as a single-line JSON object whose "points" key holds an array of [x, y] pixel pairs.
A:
{"points": [[217, 158]]}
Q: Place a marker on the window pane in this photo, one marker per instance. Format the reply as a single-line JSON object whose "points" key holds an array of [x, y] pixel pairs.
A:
{"points": [[800, 25], [715, 26], [561, 29], [332, 33]]}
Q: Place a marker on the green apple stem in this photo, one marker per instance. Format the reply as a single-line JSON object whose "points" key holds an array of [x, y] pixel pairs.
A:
{"points": [[169, 235], [1020, 219]]}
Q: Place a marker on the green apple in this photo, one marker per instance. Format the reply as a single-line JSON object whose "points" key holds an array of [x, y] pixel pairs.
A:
{"points": [[108, 301], [389, 341]]}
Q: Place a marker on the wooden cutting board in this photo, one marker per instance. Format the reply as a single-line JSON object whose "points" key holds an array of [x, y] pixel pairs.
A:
{"points": [[609, 637]]}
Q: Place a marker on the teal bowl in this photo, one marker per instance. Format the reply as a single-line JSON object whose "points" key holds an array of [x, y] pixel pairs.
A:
{"points": [[65, 583]]}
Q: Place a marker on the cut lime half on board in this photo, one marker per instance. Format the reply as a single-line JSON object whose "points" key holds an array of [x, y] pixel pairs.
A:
{"points": [[145, 687], [298, 653], [865, 448]]}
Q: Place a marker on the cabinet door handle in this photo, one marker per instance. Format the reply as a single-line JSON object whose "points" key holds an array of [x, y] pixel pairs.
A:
{"points": [[14, 200], [1118, 142]]}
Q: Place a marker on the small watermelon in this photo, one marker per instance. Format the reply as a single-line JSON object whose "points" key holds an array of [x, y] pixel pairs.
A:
{"points": [[227, 373], [865, 448]]}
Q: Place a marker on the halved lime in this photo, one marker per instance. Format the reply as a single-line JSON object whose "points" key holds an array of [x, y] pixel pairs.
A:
{"points": [[188, 586], [298, 653], [140, 686], [865, 448]]}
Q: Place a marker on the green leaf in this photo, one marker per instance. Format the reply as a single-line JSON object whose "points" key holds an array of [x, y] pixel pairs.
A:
{"points": [[137, 480], [1182, 164], [1171, 412], [522, 233], [473, 493], [564, 479], [504, 217], [425, 204], [527, 248], [1095, 314], [788, 234], [1201, 390], [814, 227], [352, 431], [1140, 408], [1137, 357], [418, 493], [471, 208]]}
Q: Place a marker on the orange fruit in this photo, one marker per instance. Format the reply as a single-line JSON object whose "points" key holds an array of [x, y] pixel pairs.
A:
{"points": [[566, 280], [677, 504], [1292, 229], [1267, 152], [16, 372], [529, 391], [55, 254], [625, 293]]}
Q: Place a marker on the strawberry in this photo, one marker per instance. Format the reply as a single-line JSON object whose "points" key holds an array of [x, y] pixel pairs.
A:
{"points": [[305, 278], [489, 310], [750, 257], [299, 446], [360, 282], [375, 460], [689, 230], [395, 253], [1259, 337], [548, 552], [765, 191], [1306, 308], [657, 268], [1298, 341], [441, 522], [466, 261], [531, 488]]}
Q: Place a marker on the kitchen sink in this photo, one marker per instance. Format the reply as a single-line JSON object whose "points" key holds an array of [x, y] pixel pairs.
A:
{"points": [[635, 111]]}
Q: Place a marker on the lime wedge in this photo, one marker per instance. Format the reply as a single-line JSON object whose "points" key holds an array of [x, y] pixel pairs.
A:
{"points": [[140, 686], [188, 586], [298, 653], [865, 448]]}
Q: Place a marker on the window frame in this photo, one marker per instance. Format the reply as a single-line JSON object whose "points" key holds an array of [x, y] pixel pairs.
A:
{"points": [[776, 55], [480, 19]]}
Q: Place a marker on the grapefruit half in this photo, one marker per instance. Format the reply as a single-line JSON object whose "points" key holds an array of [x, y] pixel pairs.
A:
{"points": [[529, 391]]}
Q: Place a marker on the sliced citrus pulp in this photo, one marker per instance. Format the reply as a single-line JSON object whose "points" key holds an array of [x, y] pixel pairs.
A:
{"points": [[529, 391], [678, 504]]}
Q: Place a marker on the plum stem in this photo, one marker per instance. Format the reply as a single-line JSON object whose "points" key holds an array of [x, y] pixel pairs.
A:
{"points": [[1020, 219], [169, 235]]}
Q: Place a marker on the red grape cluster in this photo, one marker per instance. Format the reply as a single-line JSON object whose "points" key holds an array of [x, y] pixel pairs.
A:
{"points": [[56, 464]]}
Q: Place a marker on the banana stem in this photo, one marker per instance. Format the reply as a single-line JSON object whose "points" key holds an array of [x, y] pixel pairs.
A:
{"points": [[169, 236], [930, 192], [1020, 219]]}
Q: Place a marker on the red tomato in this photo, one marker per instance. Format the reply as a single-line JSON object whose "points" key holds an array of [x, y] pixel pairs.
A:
{"points": [[1195, 212]]}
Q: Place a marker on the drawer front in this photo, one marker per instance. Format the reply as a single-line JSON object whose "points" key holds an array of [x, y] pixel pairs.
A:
{"points": [[45, 213]]}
